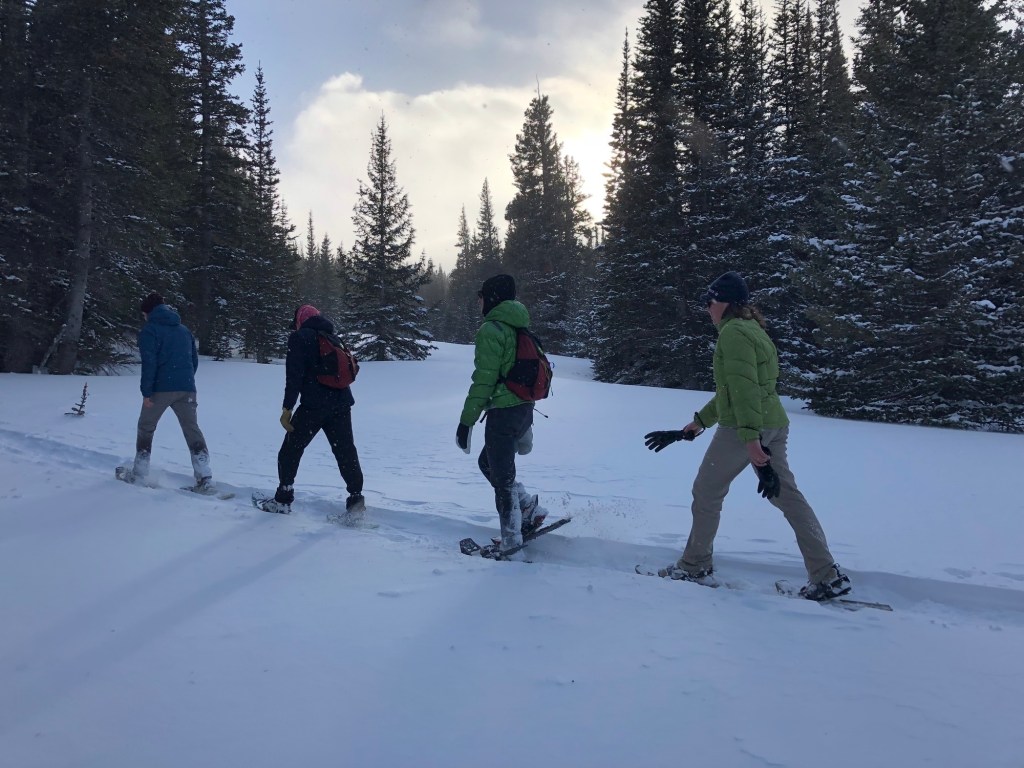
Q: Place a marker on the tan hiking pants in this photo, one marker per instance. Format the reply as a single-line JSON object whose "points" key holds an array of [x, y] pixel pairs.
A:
{"points": [[725, 459], [184, 405]]}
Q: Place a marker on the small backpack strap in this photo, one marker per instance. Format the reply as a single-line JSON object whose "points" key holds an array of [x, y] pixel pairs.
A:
{"points": [[501, 325]]}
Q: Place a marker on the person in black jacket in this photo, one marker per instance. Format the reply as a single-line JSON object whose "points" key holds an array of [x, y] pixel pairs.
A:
{"points": [[321, 408]]}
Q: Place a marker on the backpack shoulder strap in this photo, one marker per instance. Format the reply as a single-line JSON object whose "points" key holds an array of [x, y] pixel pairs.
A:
{"points": [[332, 338]]}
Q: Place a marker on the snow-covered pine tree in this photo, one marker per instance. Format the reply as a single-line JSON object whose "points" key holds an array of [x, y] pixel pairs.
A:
{"points": [[22, 227], [462, 312], [817, 228], [211, 228], [544, 244], [102, 173], [707, 83], [385, 312], [487, 251], [270, 267], [790, 209], [936, 340], [747, 239], [644, 254]]}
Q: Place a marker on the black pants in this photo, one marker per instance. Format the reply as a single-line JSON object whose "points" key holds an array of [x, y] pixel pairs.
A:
{"points": [[503, 429], [336, 424]]}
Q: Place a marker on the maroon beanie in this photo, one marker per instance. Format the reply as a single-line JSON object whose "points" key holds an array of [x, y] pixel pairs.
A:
{"points": [[303, 313]]}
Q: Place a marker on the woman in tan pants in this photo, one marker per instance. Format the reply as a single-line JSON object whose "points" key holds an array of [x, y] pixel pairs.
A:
{"points": [[752, 430]]}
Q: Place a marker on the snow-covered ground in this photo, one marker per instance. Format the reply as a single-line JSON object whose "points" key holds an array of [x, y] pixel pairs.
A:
{"points": [[152, 628]]}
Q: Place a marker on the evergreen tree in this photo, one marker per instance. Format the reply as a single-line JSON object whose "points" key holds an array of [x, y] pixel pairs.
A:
{"points": [[435, 297], [462, 311], [710, 119], [788, 207], [22, 226], [270, 266], [705, 88], [211, 228], [385, 312], [644, 277], [487, 240], [102, 180], [931, 344], [747, 241], [543, 245], [309, 270]]}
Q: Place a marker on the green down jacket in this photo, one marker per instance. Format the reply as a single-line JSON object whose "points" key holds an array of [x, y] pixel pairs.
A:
{"points": [[495, 355], [746, 367]]}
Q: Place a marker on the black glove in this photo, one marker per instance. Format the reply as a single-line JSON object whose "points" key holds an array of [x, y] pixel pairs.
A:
{"points": [[655, 441], [768, 483], [462, 437]]}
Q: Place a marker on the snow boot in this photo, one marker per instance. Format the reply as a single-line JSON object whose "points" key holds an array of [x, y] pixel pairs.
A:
{"points": [[140, 469], [836, 585], [529, 505], [676, 573], [201, 468], [281, 504], [355, 504]]}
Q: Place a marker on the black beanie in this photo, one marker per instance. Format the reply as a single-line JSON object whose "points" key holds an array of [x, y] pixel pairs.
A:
{"points": [[151, 302], [496, 290], [730, 288]]}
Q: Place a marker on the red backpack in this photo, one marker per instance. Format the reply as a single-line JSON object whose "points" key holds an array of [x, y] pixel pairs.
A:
{"points": [[336, 366], [529, 378]]}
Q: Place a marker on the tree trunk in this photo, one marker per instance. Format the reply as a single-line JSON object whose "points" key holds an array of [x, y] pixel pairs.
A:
{"points": [[70, 334]]}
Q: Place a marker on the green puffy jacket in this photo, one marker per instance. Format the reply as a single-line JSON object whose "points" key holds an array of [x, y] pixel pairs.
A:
{"points": [[495, 355], [746, 366]]}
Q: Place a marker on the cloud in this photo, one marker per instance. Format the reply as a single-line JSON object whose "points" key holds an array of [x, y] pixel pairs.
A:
{"points": [[446, 141], [444, 145]]}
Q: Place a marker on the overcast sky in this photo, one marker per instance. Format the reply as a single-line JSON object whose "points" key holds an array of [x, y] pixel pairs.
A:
{"points": [[452, 78]]}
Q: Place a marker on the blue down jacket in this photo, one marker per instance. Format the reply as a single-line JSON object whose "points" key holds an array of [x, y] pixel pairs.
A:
{"points": [[169, 356]]}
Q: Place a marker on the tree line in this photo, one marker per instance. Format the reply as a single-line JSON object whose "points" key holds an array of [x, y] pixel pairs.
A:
{"points": [[876, 206], [877, 211], [127, 165]]}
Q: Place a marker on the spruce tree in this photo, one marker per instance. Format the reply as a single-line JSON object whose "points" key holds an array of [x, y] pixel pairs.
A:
{"points": [[544, 246], [462, 311], [385, 313], [103, 127], [747, 241], [488, 254], [644, 323], [22, 226], [211, 228], [931, 342], [270, 269], [706, 92]]}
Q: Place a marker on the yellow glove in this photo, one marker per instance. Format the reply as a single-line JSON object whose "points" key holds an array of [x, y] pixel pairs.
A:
{"points": [[286, 419]]}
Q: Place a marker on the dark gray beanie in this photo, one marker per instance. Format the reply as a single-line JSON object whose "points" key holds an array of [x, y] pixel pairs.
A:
{"points": [[151, 302], [496, 290], [730, 288]]}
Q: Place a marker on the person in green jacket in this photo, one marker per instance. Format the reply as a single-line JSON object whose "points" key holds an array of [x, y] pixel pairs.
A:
{"points": [[509, 428], [752, 430]]}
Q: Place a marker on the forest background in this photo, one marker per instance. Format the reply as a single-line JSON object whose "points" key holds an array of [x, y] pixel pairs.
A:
{"points": [[876, 206]]}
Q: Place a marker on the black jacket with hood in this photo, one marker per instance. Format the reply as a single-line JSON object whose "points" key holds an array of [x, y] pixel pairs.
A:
{"points": [[300, 370]]}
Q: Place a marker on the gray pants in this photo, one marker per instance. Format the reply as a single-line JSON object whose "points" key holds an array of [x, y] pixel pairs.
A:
{"points": [[184, 405], [725, 459], [505, 430]]}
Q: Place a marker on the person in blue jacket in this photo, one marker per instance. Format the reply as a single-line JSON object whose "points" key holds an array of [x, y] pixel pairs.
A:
{"points": [[169, 364]]}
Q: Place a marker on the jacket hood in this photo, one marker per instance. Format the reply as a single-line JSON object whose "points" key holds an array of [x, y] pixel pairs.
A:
{"points": [[164, 315], [511, 313], [302, 314], [319, 323]]}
